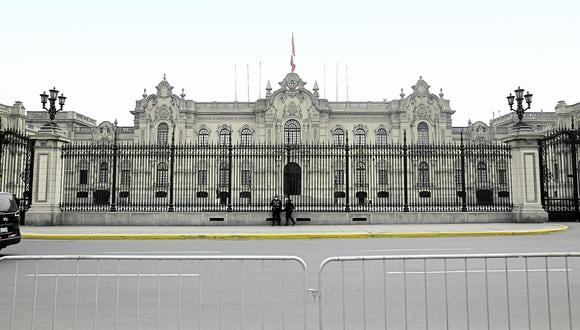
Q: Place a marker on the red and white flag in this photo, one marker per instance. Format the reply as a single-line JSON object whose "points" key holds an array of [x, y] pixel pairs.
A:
{"points": [[292, 65]]}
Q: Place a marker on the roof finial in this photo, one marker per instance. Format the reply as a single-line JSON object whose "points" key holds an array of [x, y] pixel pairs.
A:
{"points": [[268, 89], [164, 78], [315, 88], [144, 92], [182, 93], [441, 93], [402, 94]]}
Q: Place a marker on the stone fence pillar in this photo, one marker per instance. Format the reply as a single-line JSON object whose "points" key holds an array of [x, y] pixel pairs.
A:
{"points": [[525, 170], [47, 181]]}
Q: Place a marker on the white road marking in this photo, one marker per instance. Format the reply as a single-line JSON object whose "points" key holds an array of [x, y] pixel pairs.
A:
{"points": [[161, 252], [407, 250], [114, 275]]}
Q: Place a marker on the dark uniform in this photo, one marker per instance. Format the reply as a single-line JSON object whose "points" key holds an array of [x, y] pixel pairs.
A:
{"points": [[276, 205], [289, 207]]}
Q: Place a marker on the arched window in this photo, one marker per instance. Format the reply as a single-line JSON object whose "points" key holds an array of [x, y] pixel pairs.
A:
{"points": [[246, 136], [481, 173], [292, 132], [360, 137], [381, 137], [338, 136], [203, 137], [162, 174], [422, 133], [162, 134], [103, 172], [361, 173], [225, 136], [423, 175]]}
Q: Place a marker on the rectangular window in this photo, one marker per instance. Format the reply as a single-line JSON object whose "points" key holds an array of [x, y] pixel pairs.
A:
{"points": [[246, 177], [338, 177], [458, 178], [202, 177], [83, 176], [502, 176], [125, 177], [383, 176]]}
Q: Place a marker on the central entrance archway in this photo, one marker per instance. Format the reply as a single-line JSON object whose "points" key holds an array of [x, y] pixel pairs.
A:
{"points": [[292, 179]]}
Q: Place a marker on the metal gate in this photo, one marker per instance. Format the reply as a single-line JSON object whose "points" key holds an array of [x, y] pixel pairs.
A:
{"points": [[16, 166], [559, 174]]}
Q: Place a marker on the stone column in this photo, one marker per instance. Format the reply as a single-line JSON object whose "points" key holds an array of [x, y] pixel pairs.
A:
{"points": [[525, 171], [48, 176]]}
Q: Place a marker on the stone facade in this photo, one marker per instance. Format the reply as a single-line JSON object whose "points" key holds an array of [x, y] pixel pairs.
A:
{"points": [[291, 112]]}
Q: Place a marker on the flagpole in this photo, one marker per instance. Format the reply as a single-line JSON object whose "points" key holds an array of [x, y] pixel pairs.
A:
{"points": [[248, 80], [236, 82], [260, 80], [336, 82], [324, 75], [347, 82]]}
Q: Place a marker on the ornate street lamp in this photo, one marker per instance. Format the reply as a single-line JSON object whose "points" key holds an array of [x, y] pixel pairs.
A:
{"points": [[519, 98], [52, 110]]}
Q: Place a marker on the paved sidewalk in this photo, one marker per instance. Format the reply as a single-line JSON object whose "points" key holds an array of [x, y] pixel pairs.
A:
{"points": [[283, 232]]}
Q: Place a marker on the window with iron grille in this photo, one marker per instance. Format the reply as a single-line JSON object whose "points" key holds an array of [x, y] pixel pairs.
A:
{"points": [[360, 137], [83, 172], [338, 177], [481, 173], [162, 134], [423, 179], [422, 133], [338, 136], [292, 132], [246, 136], [502, 174], [203, 137], [125, 177], [126, 173], [103, 172], [361, 173], [83, 176], [383, 176], [458, 177], [224, 175], [381, 137], [162, 174], [246, 177], [556, 172], [202, 177], [225, 136]]}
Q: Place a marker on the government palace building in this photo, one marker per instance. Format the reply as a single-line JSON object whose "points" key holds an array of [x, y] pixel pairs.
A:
{"points": [[291, 113]]}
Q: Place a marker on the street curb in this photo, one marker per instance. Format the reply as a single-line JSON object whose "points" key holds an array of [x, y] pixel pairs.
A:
{"points": [[560, 228]]}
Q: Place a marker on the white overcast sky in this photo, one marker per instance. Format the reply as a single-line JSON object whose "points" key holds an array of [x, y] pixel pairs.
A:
{"points": [[102, 54]]}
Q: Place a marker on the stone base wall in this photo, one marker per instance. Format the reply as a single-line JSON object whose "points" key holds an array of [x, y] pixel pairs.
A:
{"points": [[263, 218]]}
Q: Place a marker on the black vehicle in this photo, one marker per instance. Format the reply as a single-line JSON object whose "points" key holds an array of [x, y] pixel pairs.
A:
{"points": [[9, 220]]}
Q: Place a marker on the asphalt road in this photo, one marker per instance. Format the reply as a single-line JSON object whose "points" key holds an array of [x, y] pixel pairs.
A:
{"points": [[212, 295]]}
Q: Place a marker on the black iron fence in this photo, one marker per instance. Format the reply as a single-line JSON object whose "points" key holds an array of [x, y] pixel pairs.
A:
{"points": [[318, 178], [559, 174], [16, 166]]}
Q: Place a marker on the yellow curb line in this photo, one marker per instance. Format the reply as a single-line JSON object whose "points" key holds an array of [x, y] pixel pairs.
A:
{"points": [[560, 228]]}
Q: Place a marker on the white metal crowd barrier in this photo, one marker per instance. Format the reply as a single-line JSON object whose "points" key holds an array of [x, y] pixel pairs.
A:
{"points": [[153, 292], [487, 291]]}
